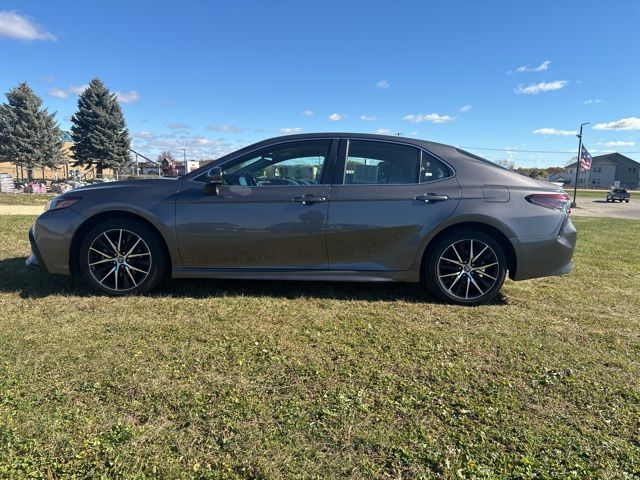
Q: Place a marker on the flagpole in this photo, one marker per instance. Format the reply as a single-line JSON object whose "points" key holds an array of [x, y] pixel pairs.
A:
{"points": [[578, 165]]}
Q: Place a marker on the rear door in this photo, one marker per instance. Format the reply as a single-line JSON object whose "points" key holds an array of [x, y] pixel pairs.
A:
{"points": [[385, 199], [270, 213]]}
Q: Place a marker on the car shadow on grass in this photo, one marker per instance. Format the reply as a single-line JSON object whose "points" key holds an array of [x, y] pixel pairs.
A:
{"points": [[16, 277]]}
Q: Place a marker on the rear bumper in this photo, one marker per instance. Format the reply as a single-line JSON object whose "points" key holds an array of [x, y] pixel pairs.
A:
{"points": [[548, 257]]}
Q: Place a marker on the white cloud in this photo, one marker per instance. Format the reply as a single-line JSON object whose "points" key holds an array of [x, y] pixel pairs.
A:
{"points": [[144, 134], [71, 90], [14, 25], [368, 117], [77, 89], [383, 131], [630, 123], [225, 128], [128, 97], [308, 113], [383, 84], [553, 131], [536, 88], [335, 117], [619, 143], [289, 130], [466, 108], [540, 68], [178, 126], [198, 147], [431, 117], [592, 100], [57, 93]]}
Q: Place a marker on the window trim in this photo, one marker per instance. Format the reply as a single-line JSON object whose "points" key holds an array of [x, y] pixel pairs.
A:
{"points": [[326, 178], [341, 164]]}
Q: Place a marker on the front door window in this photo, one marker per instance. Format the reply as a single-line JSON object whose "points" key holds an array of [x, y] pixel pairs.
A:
{"points": [[299, 163]]}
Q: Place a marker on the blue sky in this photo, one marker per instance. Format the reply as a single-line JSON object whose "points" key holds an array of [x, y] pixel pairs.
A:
{"points": [[213, 76]]}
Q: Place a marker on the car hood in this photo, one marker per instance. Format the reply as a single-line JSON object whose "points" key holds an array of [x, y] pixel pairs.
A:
{"points": [[145, 183]]}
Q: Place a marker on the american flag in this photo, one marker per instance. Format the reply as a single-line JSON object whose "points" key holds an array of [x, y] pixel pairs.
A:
{"points": [[585, 160]]}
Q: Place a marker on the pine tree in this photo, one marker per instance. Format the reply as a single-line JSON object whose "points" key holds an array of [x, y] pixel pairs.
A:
{"points": [[29, 135], [52, 143], [99, 131]]}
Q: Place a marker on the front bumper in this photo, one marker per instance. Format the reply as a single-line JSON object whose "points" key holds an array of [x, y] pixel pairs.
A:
{"points": [[35, 259], [50, 238], [548, 257]]}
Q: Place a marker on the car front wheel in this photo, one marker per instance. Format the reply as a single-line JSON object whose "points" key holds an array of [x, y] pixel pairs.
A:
{"points": [[122, 257], [466, 267]]}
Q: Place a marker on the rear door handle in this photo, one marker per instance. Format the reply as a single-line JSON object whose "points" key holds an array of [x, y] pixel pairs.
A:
{"points": [[432, 197], [308, 199]]}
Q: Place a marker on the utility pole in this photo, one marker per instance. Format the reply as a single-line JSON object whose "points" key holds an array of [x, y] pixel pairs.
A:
{"points": [[575, 186]]}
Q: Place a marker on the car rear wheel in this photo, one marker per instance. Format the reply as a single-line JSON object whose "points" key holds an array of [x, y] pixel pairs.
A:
{"points": [[122, 257], [466, 267]]}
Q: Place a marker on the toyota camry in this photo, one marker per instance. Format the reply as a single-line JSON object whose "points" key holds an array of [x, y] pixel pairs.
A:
{"points": [[324, 207]]}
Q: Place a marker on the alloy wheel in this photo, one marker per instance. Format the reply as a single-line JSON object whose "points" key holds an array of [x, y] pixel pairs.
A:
{"points": [[119, 260], [468, 269]]}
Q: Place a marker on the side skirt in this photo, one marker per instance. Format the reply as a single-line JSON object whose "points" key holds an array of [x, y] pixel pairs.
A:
{"points": [[310, 275]]}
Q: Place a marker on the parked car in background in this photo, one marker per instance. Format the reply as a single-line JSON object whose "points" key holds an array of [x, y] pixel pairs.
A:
{"points": [[325, 206], [618, 194]]}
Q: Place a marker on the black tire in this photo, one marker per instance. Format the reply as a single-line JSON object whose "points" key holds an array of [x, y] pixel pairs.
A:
{"points": [[608, 200], [626, 200], [440, 272], [133, 267]]}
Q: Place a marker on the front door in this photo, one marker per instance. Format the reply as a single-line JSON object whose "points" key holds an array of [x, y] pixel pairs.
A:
{"points": [[385, 200], [270, 212]]}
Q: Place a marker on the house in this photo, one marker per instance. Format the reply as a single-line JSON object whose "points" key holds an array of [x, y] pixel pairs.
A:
{"points": [[169, 169], [605, 171], [561, 177]]}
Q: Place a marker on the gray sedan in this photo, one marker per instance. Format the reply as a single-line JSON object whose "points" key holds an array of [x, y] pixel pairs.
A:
{"points": [[325, 206]]}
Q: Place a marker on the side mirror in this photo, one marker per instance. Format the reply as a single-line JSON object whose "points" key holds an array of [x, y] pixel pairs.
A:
{"points": [[214, 180]]}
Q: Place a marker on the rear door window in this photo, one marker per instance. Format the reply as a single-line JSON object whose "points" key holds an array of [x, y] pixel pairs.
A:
{"points": [[381, 163]]}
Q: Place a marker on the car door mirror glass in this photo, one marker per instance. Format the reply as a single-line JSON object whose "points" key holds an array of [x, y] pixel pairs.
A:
{"points": [[214, 175], [214, 180]]}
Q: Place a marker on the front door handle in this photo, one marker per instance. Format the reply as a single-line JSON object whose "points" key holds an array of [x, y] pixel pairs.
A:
{"points": [[308, 199], [432, 197]]}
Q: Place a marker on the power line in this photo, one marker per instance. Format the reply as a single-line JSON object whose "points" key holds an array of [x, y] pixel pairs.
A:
{"points": [[515, 150]]}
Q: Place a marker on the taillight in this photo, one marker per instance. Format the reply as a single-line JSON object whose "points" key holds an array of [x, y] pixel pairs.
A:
{"points": [[554, 201]]}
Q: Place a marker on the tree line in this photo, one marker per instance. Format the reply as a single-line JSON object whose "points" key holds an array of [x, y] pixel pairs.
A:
{"points": [[533, 172], [30, 136]]}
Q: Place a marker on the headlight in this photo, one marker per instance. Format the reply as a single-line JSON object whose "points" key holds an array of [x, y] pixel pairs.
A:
{"points": [[56, 203]]}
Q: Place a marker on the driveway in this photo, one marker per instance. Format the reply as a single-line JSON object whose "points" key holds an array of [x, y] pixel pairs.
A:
{"points": [[21, 209], [599, 208]]}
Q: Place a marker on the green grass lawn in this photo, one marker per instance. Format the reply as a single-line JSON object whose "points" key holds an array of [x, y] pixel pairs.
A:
{"points": [[25, 198], [221, 379]]}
